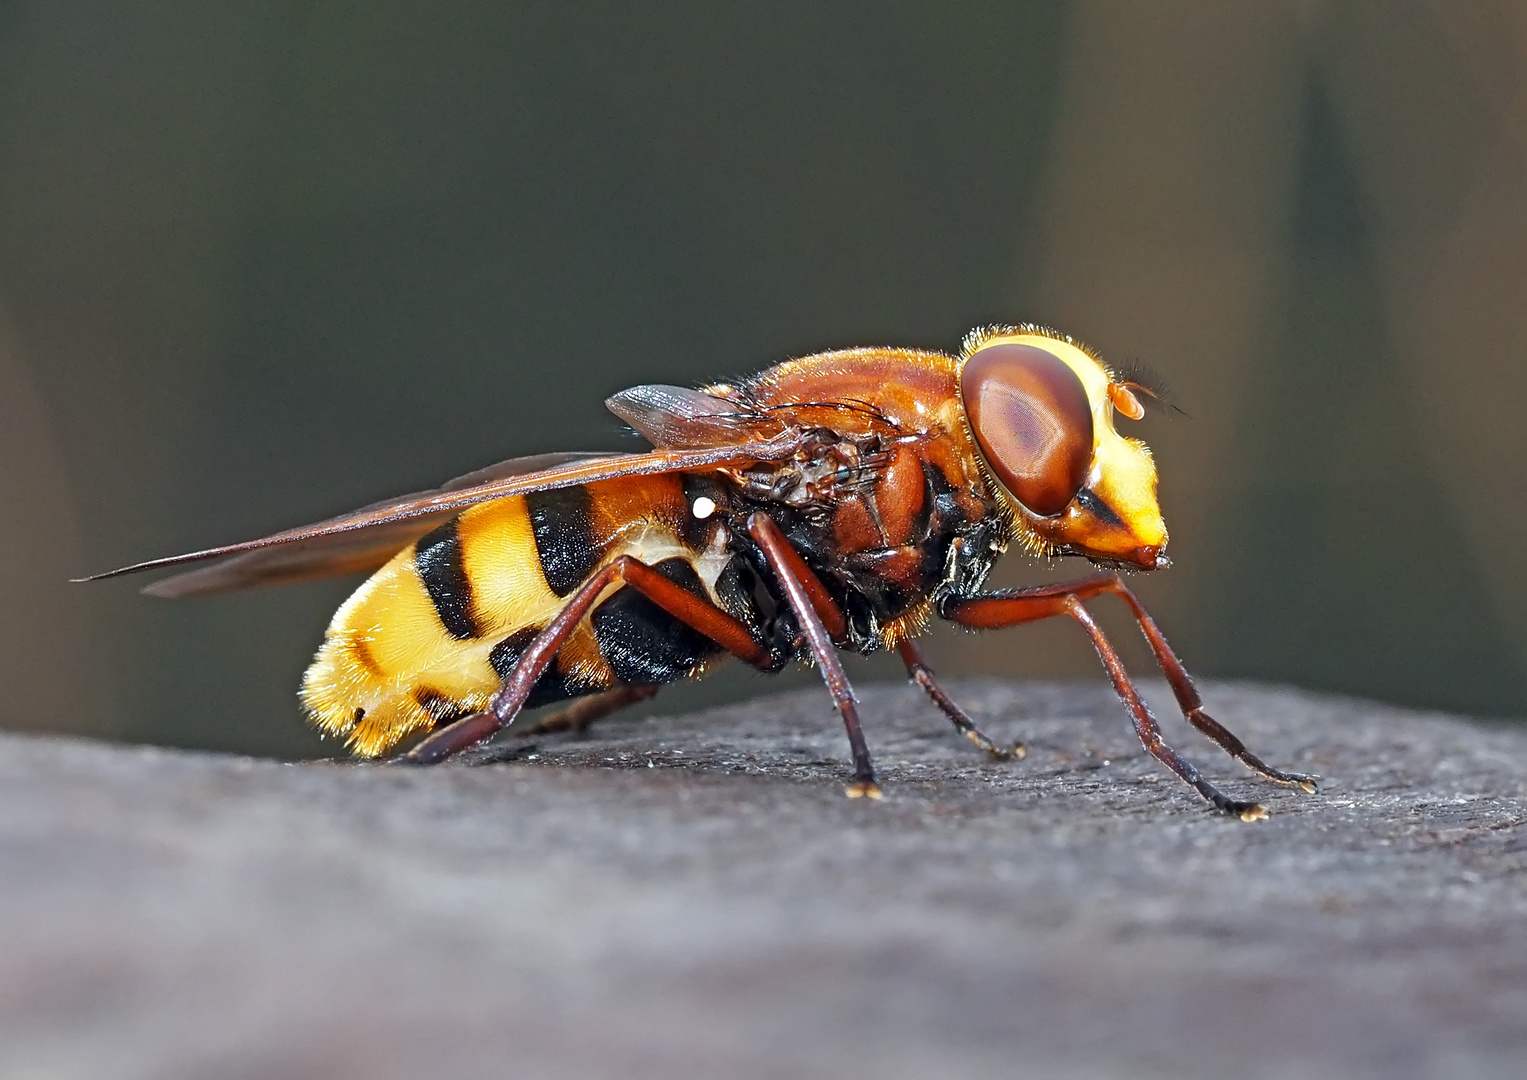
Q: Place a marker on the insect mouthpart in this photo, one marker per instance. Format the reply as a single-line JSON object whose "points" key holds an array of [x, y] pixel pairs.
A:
{"points": [[1150, 557], [1146, 557]]}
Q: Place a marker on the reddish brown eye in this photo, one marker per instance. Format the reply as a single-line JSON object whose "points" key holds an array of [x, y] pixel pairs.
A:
{"points": [[1033, 422]]}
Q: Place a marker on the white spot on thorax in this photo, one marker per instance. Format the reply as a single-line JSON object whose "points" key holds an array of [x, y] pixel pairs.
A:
{"points": [[703, 507]]}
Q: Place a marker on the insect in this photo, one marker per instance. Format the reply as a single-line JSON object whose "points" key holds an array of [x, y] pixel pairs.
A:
{"points": [[838, 501]]}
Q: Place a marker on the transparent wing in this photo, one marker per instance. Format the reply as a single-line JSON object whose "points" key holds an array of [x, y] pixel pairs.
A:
{"points": [[355, 541]]}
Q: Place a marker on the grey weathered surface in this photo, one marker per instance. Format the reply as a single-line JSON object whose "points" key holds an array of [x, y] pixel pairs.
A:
{"points": [[693, 896]]}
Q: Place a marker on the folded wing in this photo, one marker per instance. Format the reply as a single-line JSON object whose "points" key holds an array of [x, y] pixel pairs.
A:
{"points": [[363, 539], [359, 551]]}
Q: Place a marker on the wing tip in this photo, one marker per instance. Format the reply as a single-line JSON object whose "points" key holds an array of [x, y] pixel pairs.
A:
{"points": [[164, 588], [106, 575]]}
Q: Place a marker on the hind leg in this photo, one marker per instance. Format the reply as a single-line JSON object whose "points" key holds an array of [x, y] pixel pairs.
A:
{"points": [[505, 705], [586, 711]]}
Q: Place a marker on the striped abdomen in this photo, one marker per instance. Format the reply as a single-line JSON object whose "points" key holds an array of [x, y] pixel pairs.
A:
{"points": [[431, 635]]}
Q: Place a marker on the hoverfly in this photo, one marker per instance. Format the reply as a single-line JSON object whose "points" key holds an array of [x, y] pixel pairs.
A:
{"points": [[834, 501]]}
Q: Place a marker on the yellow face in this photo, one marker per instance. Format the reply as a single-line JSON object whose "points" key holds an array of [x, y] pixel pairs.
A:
{"points": [[1092, 492]]}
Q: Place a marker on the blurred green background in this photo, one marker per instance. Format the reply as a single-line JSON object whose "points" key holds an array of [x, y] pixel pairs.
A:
{"points": [[263, 262]]}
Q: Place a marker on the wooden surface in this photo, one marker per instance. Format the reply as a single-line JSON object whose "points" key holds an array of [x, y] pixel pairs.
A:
{"points": [[692, 896]]}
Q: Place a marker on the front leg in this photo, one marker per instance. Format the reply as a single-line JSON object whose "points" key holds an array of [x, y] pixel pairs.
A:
{"points": [[1016, 606]]}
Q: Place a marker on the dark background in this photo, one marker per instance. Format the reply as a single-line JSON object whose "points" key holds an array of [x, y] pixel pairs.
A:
{"points": [[263, 262]]}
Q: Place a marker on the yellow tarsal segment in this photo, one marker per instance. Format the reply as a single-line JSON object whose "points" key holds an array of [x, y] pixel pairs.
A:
{"points": [[387, 642]]}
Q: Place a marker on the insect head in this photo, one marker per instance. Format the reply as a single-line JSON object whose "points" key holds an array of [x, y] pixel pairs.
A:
{"points": [[1041, 412]]}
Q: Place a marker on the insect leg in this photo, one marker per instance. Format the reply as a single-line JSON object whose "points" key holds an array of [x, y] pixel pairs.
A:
{"points": [[1030, 605], [679, 602], [1187, 695], [793, 573], [586, 711], [1183, 690], [920, 673]]}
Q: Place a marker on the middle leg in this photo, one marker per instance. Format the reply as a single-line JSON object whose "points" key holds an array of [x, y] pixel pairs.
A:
{"points": [[920, 673], [804, 599]]}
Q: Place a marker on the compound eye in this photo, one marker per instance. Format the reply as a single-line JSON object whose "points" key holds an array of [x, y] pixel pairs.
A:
{"points": [[1033, 422]]}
